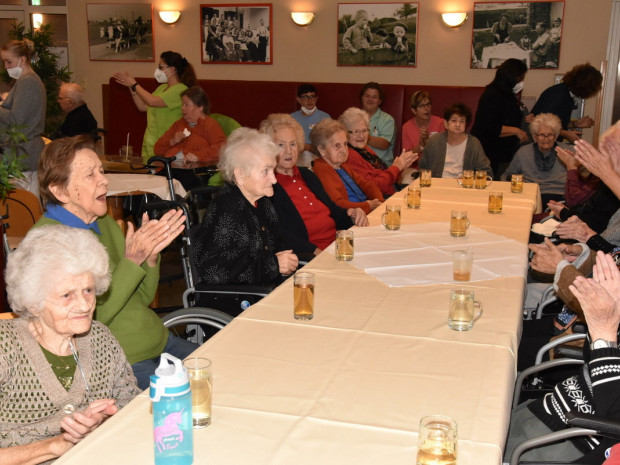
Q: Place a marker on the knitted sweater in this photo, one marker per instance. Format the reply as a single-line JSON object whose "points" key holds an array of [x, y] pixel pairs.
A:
{"points": [[384, 179], [594, 390], [124, 307], [32, 400]]}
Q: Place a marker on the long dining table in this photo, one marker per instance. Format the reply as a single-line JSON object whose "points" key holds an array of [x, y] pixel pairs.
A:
{"points": [[351, 385]]}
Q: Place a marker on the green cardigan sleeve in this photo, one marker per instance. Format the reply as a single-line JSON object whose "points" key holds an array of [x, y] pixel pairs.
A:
{"points": [[127, 277]]}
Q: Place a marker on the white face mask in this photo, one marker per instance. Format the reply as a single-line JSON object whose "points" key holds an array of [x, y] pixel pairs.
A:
{"points": [[517, 88], [16, 72], [305, 111], [160, 76]]}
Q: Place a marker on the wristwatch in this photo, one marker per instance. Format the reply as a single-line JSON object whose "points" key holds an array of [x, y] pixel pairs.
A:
{"points": [[602, 344], [133, 87]]}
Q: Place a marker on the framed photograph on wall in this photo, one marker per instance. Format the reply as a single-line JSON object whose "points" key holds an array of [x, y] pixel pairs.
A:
{"points": [[528, 31], [120, 31], [377, 34], [236, 33]]}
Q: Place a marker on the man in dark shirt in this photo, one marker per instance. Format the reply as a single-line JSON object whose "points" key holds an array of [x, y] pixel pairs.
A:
{"points": [[79, 119]]}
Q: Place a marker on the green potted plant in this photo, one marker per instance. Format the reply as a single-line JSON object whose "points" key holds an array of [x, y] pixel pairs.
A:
{"points": [[10, 165]]}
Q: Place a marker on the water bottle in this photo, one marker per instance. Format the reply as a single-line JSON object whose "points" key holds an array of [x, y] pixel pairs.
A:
{"points": [[172, 413]]}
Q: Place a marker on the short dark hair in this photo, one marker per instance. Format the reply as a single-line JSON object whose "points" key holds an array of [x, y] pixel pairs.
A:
{"points": [[583, 80], [55, 164], [198, 97], [372, 85], [305, 88], [459, 109]]}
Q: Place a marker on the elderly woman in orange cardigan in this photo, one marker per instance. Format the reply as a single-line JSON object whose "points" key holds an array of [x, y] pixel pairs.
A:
{"points": [[196, 137], [344, 186]]}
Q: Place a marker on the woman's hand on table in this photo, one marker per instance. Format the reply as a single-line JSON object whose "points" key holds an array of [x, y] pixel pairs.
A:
{"points": [[191, 158], [405, 159], [78, 425], [287, 262], [556, 208], [374, 203], [124, 79], [574, 228], [546, 257], [358, 216]]}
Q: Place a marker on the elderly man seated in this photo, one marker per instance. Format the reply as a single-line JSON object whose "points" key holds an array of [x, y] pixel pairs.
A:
{"points": [[595, 387], [79, 119]]}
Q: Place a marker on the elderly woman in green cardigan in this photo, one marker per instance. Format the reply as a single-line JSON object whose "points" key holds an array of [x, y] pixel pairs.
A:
{"points": [[73, 188]]}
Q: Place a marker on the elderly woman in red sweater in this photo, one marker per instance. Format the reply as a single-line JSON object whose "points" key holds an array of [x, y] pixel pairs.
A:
{"points": [[364, 160], [343, 184]]}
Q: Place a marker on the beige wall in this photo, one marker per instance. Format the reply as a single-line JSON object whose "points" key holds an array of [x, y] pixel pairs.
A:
{"points": [[309, 54]]}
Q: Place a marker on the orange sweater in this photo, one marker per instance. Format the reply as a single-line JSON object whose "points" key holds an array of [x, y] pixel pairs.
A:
{"points": [[205, 140], [336, 189]]}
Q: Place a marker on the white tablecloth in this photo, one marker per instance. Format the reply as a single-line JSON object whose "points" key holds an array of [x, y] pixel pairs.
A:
{"points": [[122, 184], [422, 254]]}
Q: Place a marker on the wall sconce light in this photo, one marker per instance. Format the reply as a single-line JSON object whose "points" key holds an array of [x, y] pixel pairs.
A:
{"points": [[170, 17], [37, 20], [454, 19], [302, 18]]}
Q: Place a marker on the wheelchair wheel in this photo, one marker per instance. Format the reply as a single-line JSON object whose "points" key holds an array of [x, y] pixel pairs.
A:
{"points": [[196, 324]]}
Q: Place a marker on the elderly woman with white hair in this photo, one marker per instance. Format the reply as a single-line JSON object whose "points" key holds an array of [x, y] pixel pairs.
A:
{"points": [[364, 160], [309, 218], [61, 373], [538, 162], [239, 241]]}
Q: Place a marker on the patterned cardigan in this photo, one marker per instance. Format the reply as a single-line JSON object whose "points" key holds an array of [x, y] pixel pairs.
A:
{"points": [[32, 400]]}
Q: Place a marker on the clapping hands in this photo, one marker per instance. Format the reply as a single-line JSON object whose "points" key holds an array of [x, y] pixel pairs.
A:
{"points": [[145, 243]]}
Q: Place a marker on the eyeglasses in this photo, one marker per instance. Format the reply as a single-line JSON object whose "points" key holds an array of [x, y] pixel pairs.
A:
{"points": [[545, 136], [424, 105], [308, 97], [358, 132]]}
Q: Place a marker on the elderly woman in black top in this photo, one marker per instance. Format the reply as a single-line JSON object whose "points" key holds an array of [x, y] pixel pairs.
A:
{"points": [[239, 241], [309, 218]]}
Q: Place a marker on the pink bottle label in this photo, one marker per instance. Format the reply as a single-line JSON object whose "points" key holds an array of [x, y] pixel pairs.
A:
{"points": [[169, 435]]}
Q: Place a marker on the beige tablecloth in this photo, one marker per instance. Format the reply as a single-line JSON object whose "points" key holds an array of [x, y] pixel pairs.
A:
{"points": [[350, 386]]}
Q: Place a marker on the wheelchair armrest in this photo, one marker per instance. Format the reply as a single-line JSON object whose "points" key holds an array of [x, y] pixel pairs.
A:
{"points": [[569, 351], [537, 368], [547, 439], [556, 342], [603, 426], [251, 289]]}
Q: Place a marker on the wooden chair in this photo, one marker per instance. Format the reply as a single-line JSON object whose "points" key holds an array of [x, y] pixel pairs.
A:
{"points": [[23, 210]]}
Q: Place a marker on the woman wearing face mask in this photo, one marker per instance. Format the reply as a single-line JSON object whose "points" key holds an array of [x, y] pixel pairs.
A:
{"points": [[499, 116], [24, 106], [163, 106]]}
